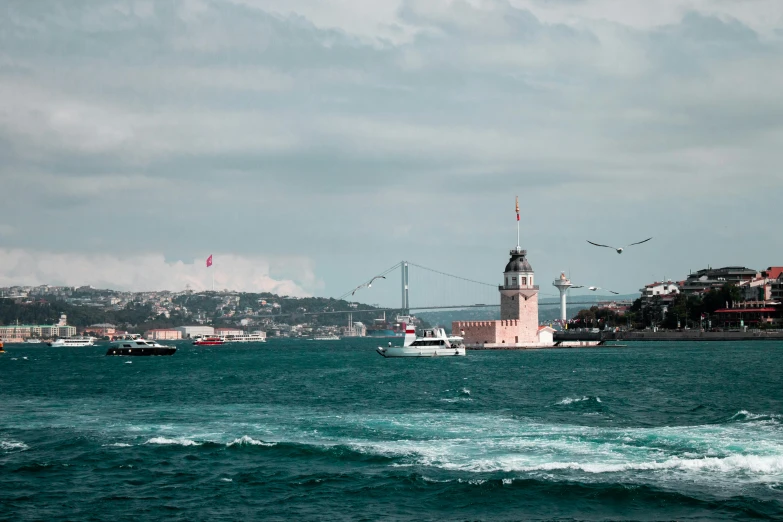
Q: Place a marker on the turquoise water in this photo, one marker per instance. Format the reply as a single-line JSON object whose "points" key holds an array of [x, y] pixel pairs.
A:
{"points": [[332, 431]]}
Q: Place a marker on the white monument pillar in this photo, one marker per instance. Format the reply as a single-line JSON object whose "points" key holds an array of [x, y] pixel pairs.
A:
{"points": [[562, 284]]}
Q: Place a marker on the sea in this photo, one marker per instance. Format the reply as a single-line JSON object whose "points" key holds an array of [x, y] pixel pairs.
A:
{"points": [[308, 430]]}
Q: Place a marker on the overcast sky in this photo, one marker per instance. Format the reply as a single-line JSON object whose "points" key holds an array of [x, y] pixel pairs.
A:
{"points": [[310, 144]]}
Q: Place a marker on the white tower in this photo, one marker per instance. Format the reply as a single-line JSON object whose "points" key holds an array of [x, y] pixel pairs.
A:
{"points": [[562, 284]]}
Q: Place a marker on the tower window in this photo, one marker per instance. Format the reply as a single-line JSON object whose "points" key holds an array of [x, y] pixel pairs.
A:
{"points": [[523, 280]]}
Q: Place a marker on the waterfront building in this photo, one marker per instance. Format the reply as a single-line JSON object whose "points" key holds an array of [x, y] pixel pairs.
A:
{"points": [[709, 278], [102, 329], [228, 331], [22, 331], [163, 334], [659, 288], [193, 331]]}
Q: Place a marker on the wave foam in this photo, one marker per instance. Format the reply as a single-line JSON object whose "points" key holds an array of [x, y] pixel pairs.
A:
{"points": [[11, 445], [118, 445], [179, 441], [748, 464], [571, 400], [249, 441]]}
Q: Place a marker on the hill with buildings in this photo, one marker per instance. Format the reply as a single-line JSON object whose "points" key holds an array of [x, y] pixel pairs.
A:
{"points": [[100, 310]]}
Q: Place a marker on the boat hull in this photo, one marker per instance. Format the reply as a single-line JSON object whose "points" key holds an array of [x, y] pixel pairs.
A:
{"points": [[421, 351], [142, 351]]}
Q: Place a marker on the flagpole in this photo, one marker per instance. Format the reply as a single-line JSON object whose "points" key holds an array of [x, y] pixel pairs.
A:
{"points": [[518, 247]]}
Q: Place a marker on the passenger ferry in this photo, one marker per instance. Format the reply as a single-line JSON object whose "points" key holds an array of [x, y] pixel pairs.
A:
{"points": [[73, 341], [255, 337], [433, 343]]}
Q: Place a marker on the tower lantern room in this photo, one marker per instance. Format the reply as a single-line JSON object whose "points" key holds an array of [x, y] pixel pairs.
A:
{"points": [[519, 293], [518, 273]]}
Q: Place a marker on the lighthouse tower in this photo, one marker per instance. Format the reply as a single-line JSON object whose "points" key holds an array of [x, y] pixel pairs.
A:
{"points": [[562, 284], [519, 295]]}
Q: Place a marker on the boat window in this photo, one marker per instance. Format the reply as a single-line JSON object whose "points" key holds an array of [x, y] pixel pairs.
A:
{"points": [[441, 342], [126, 346]]}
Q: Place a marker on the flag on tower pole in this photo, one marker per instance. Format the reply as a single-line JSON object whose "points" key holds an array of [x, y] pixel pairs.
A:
{"points": [[209, 261], [517, 208]]}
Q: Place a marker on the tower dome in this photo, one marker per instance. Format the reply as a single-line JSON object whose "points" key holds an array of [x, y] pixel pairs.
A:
{"points": [[518, 262]]}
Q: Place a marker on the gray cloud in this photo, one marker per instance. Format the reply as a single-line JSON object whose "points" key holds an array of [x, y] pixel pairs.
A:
{"points": [[353, 136]]}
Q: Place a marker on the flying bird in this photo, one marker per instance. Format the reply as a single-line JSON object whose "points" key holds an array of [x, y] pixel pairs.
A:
{"points": [[594, 288], [368, 284], [619, 250]]}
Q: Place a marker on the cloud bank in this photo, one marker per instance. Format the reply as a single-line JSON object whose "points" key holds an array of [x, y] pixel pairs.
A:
{"points": [[152, 272], [321, 129]]}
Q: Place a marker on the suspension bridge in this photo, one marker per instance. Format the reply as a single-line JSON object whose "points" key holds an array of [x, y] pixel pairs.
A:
{"points": [[423, 288]]}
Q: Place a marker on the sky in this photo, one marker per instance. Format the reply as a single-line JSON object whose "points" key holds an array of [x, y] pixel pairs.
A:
{"points": [[311, 144]]}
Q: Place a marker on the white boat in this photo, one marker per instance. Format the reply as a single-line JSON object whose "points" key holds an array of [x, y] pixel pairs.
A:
{"points": [[326, 338], [255, 337], [434, 343], [32, 341], [73, 341]]}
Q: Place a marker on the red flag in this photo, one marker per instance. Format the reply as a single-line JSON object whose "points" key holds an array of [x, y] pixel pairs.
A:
{"points": [[209, 261], [517, 208]]}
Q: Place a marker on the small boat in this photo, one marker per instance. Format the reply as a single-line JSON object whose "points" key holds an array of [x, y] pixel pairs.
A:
{"points": [[33, 340], [2, 350], [326, 338], [73, 341], [433, 343], [139, 347], [209, 341]]}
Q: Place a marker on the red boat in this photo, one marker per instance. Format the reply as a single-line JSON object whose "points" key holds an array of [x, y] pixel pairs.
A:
{"points": [[209, 341]]}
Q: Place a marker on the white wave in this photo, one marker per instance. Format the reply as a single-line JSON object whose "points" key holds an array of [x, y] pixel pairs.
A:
{"points": [[227, 480], [245, 440], [760, 465], [571, 400], [179, 441], [11, 445], [118, 445], [755, 416], [128, 362], [507, 481], [465, 391]]}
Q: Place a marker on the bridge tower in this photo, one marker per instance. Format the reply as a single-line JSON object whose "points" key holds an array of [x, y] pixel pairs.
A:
{"points": [[562, 284], [405, 287]]}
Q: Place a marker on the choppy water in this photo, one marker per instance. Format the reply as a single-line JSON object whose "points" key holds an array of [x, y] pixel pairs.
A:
{"points": [[330, 430]]}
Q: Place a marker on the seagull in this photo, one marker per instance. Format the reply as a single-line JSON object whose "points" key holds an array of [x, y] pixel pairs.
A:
{"points": [[594, 288], [619, 250], [367, 284]]}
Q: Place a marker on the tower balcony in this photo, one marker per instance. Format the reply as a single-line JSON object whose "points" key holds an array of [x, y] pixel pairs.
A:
{"points": [[518, 287]]}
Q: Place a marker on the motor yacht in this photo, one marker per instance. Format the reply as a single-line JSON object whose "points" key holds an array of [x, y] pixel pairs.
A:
{"points": [[433, 343], [135, 346]]}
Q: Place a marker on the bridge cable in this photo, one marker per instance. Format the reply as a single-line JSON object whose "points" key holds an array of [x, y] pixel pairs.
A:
{"points": [[346, 294], [452, 275]]}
